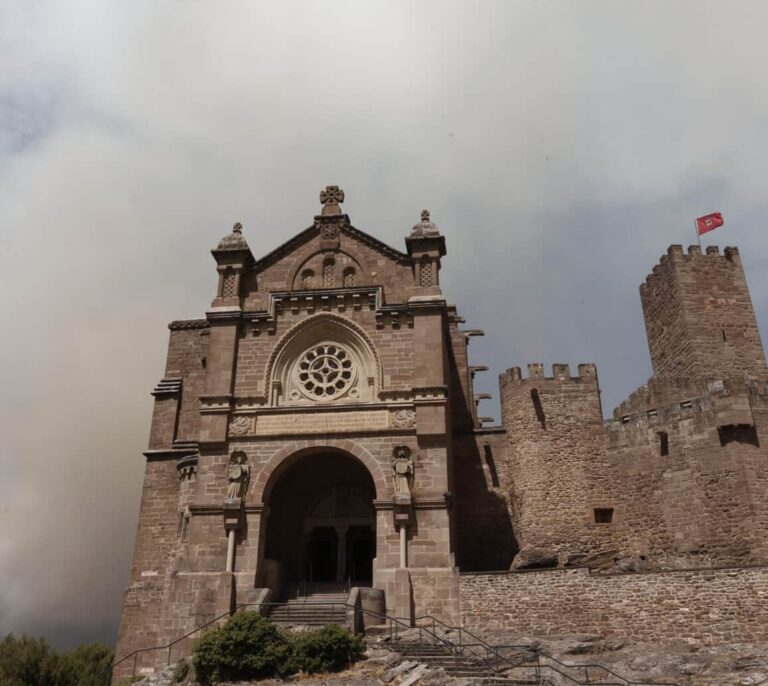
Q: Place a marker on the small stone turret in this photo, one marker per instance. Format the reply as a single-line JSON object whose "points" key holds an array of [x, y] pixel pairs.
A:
{"points": [[426, 246], [233, 257]]}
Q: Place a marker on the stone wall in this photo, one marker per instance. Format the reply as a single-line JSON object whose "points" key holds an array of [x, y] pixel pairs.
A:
{"points": [[187, 359], [694, 501], [145, 619], [709, 606]]}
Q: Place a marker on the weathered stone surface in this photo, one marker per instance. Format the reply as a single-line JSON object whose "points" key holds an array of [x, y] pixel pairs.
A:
{"points": [[534, 558], [395, 672]]}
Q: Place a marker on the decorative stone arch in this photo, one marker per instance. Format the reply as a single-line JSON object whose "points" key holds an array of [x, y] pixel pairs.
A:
{"points": [[314, 259], [290, 453], [330, 329]]}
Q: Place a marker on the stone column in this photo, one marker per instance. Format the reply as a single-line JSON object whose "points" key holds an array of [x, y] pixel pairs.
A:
{"points": [[231, 551], [232, 515]]}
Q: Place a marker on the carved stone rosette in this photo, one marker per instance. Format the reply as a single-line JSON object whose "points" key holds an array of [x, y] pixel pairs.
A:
{"points": [[241, 425]]}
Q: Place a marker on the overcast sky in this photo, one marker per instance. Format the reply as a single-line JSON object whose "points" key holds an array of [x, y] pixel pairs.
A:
{"points": [[561, 147]]}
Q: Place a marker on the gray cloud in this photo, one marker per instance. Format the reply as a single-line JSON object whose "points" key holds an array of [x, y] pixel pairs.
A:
{"points": [[560, 146]]}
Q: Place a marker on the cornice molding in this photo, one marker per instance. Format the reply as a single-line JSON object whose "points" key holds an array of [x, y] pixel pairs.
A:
{"points": [[185, 324]]}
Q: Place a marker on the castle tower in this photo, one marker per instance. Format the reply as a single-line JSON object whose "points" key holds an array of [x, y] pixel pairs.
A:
{"points": [[693, 438], [699, 317], [555, 464]]}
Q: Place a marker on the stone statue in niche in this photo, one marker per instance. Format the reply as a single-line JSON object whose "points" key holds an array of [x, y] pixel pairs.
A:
{"points": [[402, 469], [238, 475]]}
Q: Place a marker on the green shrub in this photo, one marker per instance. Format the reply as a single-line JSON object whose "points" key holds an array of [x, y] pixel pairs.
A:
{"points": [[25, 661], [326, 650], [180, 672], [248, 646], [86, 665], [32, 662]]}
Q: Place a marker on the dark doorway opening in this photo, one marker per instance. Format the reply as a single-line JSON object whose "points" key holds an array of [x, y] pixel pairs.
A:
{"points": [[361, 549], [322, 554]]}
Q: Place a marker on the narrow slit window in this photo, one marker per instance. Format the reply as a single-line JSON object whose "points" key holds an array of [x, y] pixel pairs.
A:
{"points": [[538, 408], [663, 443], [185, 526], [491, 464]]}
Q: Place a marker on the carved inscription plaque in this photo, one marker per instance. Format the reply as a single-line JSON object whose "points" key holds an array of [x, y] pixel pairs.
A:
{"points": [[322, 422]]}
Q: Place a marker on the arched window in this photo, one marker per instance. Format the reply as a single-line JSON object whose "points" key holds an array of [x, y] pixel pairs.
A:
{"points": [[427, 275], [325, 360], [229, 285], [329, 274], [349, 277], [308, 278]]}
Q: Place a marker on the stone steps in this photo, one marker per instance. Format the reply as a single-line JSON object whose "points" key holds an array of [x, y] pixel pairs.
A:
{"points": [[316, 609], [461, 665]]}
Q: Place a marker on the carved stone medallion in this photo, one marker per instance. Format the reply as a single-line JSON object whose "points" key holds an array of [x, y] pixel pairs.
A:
{"points": [[329, 231], [240, 425], [404, 419]]}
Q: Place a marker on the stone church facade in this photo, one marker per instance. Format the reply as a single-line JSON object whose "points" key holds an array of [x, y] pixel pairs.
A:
{"points": [[319, 426]]}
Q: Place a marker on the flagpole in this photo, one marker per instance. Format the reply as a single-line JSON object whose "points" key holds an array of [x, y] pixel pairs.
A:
{"points": [[696, 229]]}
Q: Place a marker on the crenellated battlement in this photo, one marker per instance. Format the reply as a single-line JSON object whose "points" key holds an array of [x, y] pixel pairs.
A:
{"points": [[561, 373], [673, 411], [699, 317], [661, 391], [677, 256], [720, 403]]}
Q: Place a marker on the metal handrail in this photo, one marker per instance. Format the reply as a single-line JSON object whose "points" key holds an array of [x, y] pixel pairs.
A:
{"points": [[395, 623], [625, 682]]}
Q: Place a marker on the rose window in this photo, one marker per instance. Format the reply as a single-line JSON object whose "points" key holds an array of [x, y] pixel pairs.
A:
{"points": [[325, 371]]}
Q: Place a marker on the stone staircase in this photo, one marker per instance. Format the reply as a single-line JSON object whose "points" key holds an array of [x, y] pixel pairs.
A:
{"points": [[455, 664], [320, 606]]}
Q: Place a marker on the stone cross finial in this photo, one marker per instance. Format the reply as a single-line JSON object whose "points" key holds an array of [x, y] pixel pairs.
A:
{"points": [[237, 228], [331, 197], [425, 227]]}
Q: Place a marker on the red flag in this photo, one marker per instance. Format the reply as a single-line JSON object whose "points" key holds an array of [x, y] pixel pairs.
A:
{"points": [[709, 222]]}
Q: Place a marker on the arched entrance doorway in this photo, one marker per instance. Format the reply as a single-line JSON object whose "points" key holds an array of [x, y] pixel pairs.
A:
{"points": [[322, 524]]}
